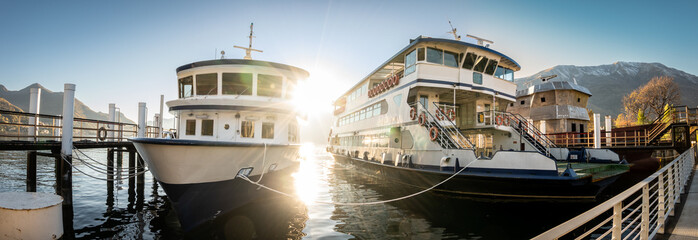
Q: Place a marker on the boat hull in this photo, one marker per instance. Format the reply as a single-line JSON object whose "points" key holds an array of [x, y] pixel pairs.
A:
{"points": [[200, 177], [486, 183]]}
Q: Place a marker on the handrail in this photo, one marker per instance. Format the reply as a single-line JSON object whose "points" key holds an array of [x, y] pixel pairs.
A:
{"points": [[521, 126], [445, 139], [451, 131], [658, 195]]}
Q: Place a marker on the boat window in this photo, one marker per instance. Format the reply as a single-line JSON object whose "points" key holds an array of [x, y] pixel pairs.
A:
{"points": [[491, 66], [191, 127], [269, 85], [369, 111], [268, 130], [207, 84], [504, 73], [477, 77], [469, 61], [290, 88], [424, 100], [362, 115], [450, 59], [377, 109], [410, 60], [509, 74], [420, 54], [237, 84], [435, 56], [292, 132], [480, 64], [247, 129], [397, 99], [207, 127], [186, 86]]}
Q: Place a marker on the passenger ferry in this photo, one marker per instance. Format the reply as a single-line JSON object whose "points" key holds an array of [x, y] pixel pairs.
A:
{"points": [[440, 105], [234, 117]]}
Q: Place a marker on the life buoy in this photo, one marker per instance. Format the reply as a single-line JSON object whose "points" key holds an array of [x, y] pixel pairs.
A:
{"points": [[102, 133], [422, 119], [381, 86], [433, 133], [389, 82], [413, 113], [451, 114], [440, 114], [506, 121], [498, 120], [396, 80]]}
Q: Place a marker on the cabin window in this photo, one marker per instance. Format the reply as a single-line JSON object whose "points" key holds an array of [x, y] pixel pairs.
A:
{"points": [[477, 78], [469, 61], [450, 59], [523, 102], [377, 109], [269, 85], [504, 73], [424, 100], [292, 132], [247, 129], [480, 64], [491, 66], [207, 84], [207, 127], [191, 127], [435, 56], [268, 130], [410, 61], [542, 99], [290, 88], [362, 114], [186, 87], [574, 127], [237, 84], [579, 99], [369, 112], [420, 54]]}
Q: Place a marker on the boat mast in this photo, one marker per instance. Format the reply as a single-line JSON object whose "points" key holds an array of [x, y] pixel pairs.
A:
{"points": [[249, 49]]}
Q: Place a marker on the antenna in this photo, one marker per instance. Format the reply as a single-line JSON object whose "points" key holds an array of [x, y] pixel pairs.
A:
{"points": [[546, 78], [480, 41], [248, 50], [222, 54], [453, 31]]}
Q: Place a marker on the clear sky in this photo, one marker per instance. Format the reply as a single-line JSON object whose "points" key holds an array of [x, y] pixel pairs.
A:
{"points": [[127, 51]]}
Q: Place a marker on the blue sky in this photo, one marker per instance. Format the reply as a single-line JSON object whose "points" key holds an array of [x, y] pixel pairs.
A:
{"points": [[127, 51]]}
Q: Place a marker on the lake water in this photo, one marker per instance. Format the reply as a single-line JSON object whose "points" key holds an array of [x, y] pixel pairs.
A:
{"points": [[126, 214]]}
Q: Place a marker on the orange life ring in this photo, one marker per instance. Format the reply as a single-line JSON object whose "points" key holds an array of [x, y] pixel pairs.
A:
{"points": [[506, 121], [439, 114], [451, 114], [396, 80], [498, 120], [433, 133], [389, 82], [422, 119], [413, 113]]}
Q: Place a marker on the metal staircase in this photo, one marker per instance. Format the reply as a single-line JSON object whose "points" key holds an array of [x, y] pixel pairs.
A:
{"points": [[449, 137], [662, 124], [528, 132]]}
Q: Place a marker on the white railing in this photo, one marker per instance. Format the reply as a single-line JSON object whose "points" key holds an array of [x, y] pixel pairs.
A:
{"points": [[639, 212]]}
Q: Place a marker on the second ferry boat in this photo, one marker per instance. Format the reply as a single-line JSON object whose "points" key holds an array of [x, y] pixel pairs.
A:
{"points": [[438, 106]]}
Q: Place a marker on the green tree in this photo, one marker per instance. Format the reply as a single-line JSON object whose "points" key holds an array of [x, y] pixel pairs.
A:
{"points": [[641, 119]]}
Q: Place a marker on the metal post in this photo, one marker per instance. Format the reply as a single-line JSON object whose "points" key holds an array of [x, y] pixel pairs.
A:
{"points": [[31, 171], [110, 168], [160, 119], [112, 118], [609, 128], [617, 220], [670, 198], [67, 144], [140, 189], [597, 130], [141, 120], [34, 105], [645, 222], [661, 204]]}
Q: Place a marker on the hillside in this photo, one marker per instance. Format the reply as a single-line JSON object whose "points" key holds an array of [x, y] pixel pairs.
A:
{"points": [[609, 83], [52, 103]]}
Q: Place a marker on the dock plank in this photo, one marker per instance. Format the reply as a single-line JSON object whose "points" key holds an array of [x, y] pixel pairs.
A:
{"points": [[687, 226]]}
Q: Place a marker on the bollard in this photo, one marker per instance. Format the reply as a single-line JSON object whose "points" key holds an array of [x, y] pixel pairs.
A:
{"points": [[30, 216], [141, 119]]}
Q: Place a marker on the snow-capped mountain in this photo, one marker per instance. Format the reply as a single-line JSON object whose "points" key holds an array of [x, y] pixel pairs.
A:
{"points": [[609, 83]]}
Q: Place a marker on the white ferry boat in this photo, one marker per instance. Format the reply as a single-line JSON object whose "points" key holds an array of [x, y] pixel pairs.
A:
{"points": [[439, 105], [233, 117]]}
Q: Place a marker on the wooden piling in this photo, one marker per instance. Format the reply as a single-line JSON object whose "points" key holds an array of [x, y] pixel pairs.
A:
{"points": [[31, 171], [141, 184], [110, 168]]}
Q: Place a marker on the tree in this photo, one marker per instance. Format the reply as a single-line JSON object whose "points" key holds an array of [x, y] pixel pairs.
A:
{"points": [[641, 119], [652, 97], [622, 121]]}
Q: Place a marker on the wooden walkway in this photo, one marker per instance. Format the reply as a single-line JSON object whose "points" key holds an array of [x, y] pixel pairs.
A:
{"points": [[687, 226]]}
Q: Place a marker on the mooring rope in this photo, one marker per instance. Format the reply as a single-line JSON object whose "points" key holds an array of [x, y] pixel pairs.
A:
{"points": [[359, 203], [63, 156], [124, 169]]}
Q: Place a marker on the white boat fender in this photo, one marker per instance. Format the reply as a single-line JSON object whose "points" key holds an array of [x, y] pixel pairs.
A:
{"points": [[398, 159], [445, 161], [365, 156], [569, 172]]}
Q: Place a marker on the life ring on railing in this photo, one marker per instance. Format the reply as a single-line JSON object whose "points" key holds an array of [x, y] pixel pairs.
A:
{"points": [[499, 120], [422, 119], [439, 114], [451, 114], [413, 113], [396, 80], [433, 133], [102, 134], [389, 82], [506, 121]]}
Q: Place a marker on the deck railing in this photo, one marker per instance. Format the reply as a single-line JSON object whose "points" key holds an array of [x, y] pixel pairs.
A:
{"points": [[639, 212], [21, 126]]}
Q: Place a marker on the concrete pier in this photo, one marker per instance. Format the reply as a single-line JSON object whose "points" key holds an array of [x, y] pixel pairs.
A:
{"points": [[687, 225]]}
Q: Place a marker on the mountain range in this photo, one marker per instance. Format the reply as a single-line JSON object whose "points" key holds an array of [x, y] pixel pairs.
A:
{"points": [[609, 83], [51, 103]]}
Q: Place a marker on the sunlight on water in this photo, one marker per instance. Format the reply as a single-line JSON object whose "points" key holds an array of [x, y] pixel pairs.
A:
{"points": [[307, 179]]}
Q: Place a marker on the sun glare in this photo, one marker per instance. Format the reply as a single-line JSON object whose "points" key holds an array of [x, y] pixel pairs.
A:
{"points": [[315, 95], [308, 175]]}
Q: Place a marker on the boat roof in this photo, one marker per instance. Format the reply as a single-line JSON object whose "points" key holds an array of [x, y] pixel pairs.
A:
{"points": [[422, 39], [550, 86], [241, 62]]}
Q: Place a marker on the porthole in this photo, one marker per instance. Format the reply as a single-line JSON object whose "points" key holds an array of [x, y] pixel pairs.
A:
{"points": [[226, 126]]}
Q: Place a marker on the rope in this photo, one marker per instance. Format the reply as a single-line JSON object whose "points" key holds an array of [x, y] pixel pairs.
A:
{"points": [[359, 203], [264, 159], [98, 178], [129, 168]]}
